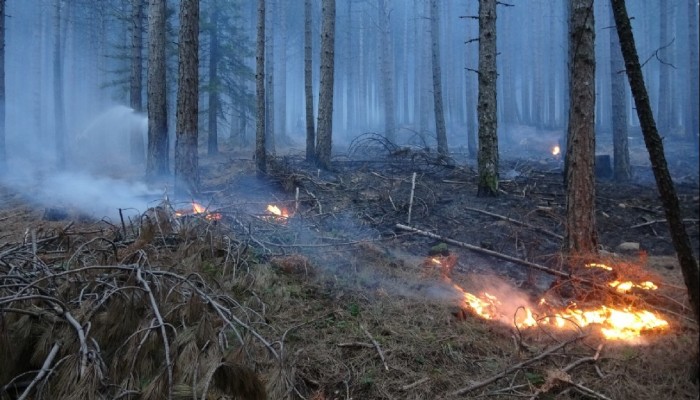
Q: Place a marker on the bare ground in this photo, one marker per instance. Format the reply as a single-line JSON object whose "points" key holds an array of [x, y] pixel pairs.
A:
{"points": [[336, 302]]}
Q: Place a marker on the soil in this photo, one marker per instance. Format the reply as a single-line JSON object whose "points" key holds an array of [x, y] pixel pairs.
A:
{"points": [[350, 302]]}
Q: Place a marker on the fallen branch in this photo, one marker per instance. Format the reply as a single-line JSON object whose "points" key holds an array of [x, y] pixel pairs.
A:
{"points": [[355, 344], [414, 384], [659, 221], [376, 345], [515, 221], [486, 251], [515, 367], [42, 372]]}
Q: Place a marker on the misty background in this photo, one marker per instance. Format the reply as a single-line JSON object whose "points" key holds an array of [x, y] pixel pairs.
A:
{"points": [[94, 63]]}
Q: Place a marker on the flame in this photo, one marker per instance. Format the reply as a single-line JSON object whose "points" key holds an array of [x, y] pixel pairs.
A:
{"points": [[198, 209], [556, 150], [624, 287], [277, 212], [597, 265]]}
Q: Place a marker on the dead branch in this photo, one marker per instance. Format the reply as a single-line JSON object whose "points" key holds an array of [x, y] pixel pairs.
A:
{"points": [[376, 345], [515, 367], [485, 251], [515, 221], [659, 221], [414, 384], [355, 344], [42, 372]]}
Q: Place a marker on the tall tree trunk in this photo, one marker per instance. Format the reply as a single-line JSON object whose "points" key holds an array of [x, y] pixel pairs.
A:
{"points": [[308, 84], [58, 90], [665, 100], [214, 89], [3, 151], [325, 98], [186, 157], [282, 133], [157, 160], [581, 238], [387, 71], [487, 108], [693, 96], [654, 144], [437, 79], [270, 78], [622, 171], [424, 75], [260, 131], [138, 150]]}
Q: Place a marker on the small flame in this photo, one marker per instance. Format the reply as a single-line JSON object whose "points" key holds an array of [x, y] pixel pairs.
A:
{"points": [[556, 150], [198, 209], [277, 212], [624, 287], [601, 266]]}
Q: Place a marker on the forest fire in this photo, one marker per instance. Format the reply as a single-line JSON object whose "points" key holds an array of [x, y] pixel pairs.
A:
{"points": [[199, 210], [615, 323], [277, 212]]}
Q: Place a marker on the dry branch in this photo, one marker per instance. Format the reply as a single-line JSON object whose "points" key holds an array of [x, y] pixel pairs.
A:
{"points": [[42, 372], [514, 221], [376, 345]]}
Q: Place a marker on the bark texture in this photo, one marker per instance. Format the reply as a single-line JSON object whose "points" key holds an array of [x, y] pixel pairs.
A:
{"points": [[59, 107], [214, 103], [325, 98], [487, 111], [621, 171], [440, 129], [693, 88], [186, 157], [260, 150], [387, 71], [654, 144], [308, 84], [137, 146], [3, 151], [581, 237], [157, 160]]}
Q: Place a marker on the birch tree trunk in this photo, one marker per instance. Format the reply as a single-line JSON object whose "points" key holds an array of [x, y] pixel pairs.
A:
{"points": [[260, 149], [325, 100], [440, 129], [581, 238], [157, 160], [186, 157], [487, 159]]}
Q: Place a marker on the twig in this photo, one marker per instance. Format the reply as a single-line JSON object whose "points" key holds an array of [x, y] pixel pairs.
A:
{"points": [[355, 344], [515, 367], [376, 345], [410, 201], [658, 221], [414, 384], [488, 252], [514, 221], [580, 361], [44, 370]]}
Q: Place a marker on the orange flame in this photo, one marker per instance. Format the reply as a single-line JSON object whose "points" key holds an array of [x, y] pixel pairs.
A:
{"points": [[198, 209], [280, 213], [556, 150]]}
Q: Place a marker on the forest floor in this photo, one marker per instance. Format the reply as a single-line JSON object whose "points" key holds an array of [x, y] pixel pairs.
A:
{"points": [[336, 298]]}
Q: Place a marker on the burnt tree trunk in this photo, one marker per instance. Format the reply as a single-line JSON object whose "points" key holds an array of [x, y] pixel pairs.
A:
{"points": [[186, 158], [621, 169], [137, 146], [654, 144], [214, 89], [308, 84], [157, 159], [260, 150], [581, 237], [325, 98], [440, 129], [487, 108]]}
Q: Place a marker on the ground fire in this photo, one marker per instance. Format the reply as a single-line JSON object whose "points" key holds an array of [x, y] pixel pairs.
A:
{"points": [[198, 210], [614, 323], [277, 212]]}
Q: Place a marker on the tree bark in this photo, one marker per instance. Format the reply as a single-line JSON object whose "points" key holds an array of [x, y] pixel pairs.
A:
{"points": [[59, 109], [387, 71], [157, 160], [665, 53], [325, 101], [621, 171], [186, 157], [654, 144], [214, 89], [3, 151], [693, 96], [487, 108], [581, 238], [308, 84], [137, 146], [260, 149], [440, 129], [270, 78]]}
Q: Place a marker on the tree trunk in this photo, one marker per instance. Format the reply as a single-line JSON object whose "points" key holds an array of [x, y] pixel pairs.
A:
{"points": [[137, 146], [487, 108], [654, 144], [270, 78], [282, 72], [3, 151], [58, 91], [214, 89], [186, 157], [325, 100], [157, 161], [308, 84], [437, 79], [665, 53], [622, 171], [260, 149], [581, 238], [693, 101], [387, 71]]}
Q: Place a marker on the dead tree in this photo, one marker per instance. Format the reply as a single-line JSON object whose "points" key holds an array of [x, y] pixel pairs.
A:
{"points": [[157, 162], [260, 150], [325, 97], [487, 107]]}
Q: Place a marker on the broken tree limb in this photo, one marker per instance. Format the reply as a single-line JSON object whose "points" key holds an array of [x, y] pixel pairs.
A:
{"points": [[515, 367], [515, 221], [659, 221], [376, 345], [484, 251]]}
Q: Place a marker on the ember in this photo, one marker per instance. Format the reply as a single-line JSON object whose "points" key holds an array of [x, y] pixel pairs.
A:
{"points": [[556, 151], [200, 210]]}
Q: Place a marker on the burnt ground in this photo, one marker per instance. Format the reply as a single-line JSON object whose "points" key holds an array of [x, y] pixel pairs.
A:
{"points": [[335, 301]]}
